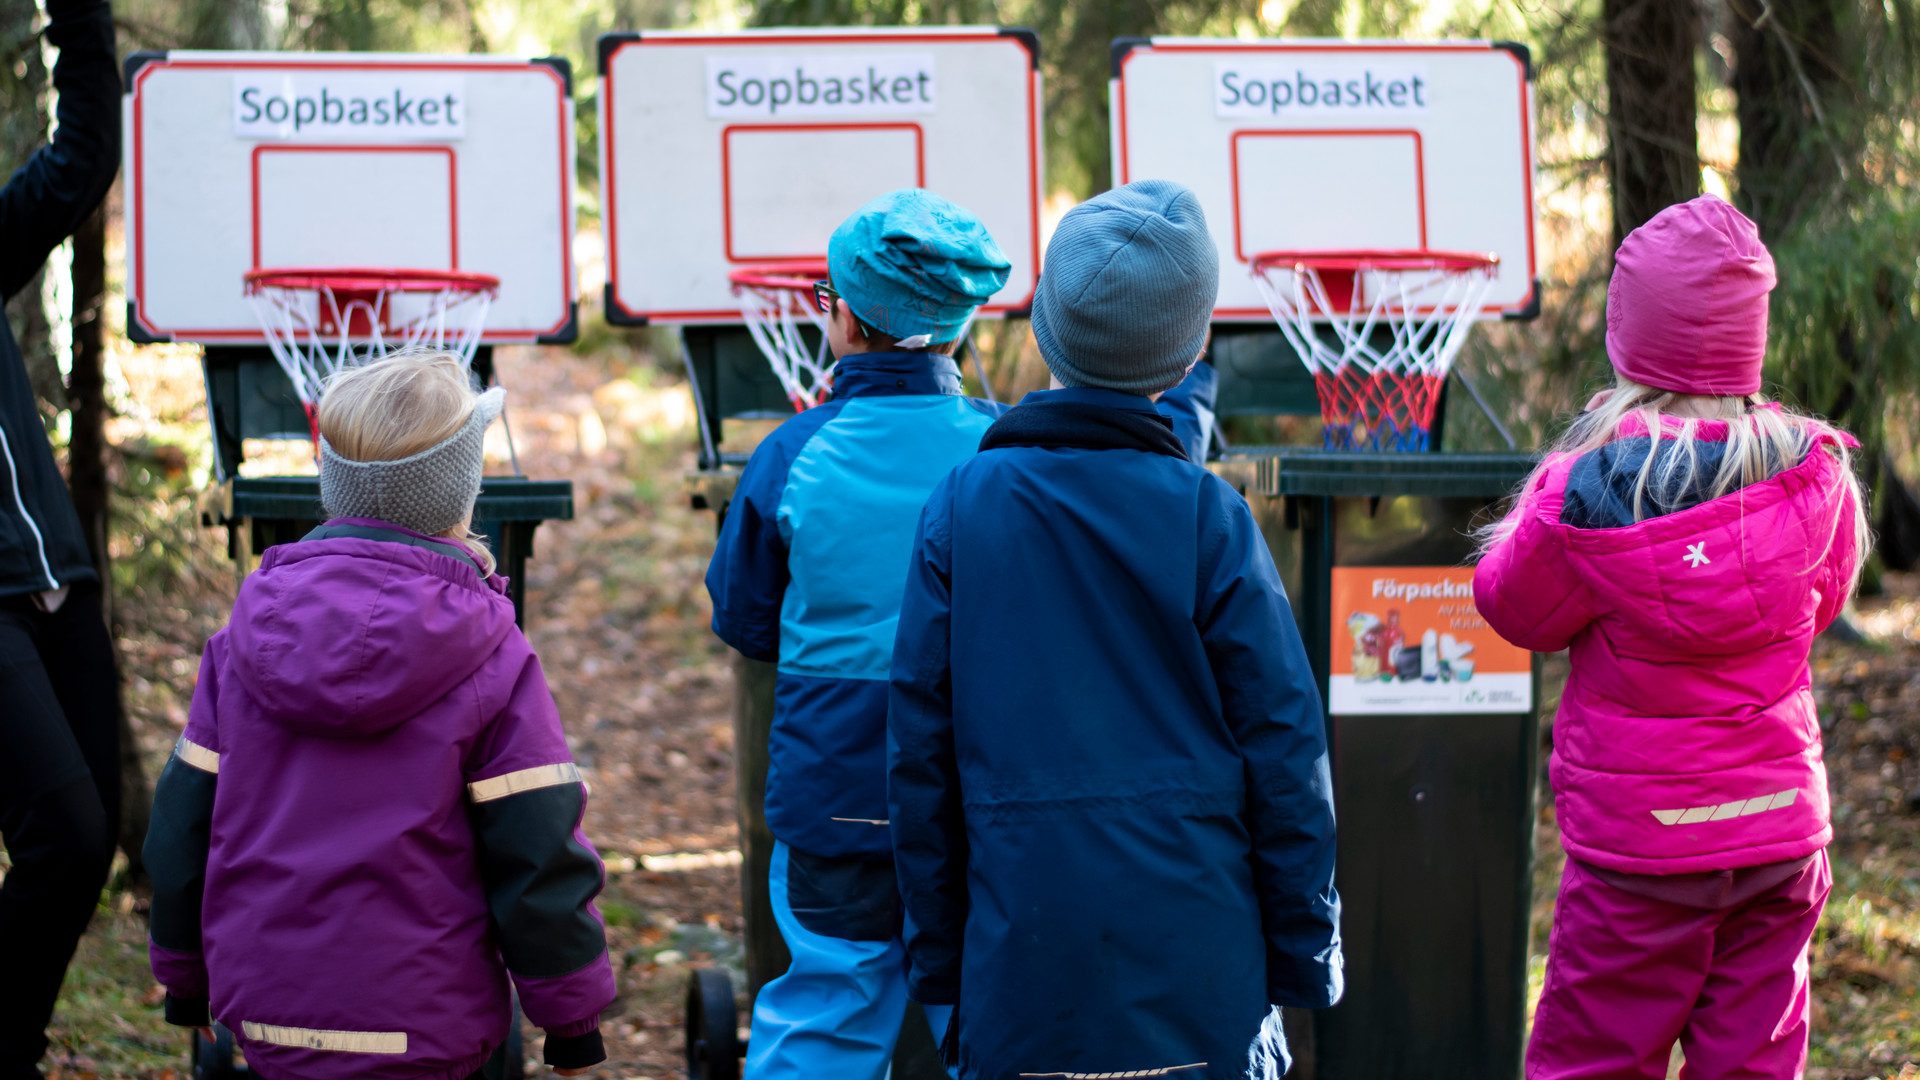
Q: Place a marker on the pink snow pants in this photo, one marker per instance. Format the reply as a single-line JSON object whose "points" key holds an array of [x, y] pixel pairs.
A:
{"points": [[1628, 975]]}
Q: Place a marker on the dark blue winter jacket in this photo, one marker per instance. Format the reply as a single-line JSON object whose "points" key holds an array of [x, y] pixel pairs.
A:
{"points": [[1109, 790], [812, 555]]}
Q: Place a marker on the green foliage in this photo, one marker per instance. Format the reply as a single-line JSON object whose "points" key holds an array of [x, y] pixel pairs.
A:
{"points": [[1845, 326], [1829, 156]]}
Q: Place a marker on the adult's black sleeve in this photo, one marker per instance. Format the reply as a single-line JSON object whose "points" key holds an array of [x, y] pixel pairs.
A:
{"points": [[48, 197]]}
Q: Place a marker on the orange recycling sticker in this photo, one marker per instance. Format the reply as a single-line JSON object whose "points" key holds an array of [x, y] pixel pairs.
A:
{"points": [[1407, 640]]}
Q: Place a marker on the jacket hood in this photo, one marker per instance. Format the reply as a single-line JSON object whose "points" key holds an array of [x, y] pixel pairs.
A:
{"points": [[1726, 576], [883, 373], [351, 637]]}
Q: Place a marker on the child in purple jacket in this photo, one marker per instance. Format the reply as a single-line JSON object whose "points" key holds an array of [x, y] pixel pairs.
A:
{"points": [[373, 818], [1685, 540]]}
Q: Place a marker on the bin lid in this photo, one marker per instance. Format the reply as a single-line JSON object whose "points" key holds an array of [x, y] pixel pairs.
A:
{"points": [[297, 498], [1302, 471]]}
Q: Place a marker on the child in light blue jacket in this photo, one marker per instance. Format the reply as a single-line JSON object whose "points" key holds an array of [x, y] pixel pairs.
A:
{"points": [[808, 572]]}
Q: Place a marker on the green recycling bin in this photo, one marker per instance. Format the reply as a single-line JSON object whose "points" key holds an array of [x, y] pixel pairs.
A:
{"points": [[1433, 725]]}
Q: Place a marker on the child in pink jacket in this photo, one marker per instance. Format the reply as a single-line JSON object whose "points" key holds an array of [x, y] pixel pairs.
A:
{"points": [[1685, 540]]}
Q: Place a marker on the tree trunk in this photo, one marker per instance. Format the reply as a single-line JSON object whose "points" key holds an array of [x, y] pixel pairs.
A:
{"points": [[1652, 108], [23, 128], [87, 388], [1793, 102], [1786, 81], [91, 485], [226, 24]]}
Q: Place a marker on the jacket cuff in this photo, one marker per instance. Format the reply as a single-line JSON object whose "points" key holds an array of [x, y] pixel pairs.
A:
{"points": [[182, 973], [748, 637], [556, 1004], [932, 991], [1313, 982], [187, 1012], [578, 1027], [576, 1051]]}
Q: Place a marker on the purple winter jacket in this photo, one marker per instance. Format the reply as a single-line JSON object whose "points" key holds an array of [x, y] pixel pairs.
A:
{"points": [[372, 820]]}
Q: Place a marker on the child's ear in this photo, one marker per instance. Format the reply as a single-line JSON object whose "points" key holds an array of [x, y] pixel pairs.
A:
{"points": [[849, 324]]}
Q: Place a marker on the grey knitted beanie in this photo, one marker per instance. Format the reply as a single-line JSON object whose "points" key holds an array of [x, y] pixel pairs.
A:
{"points": [[429, 492], [1127, 292]]}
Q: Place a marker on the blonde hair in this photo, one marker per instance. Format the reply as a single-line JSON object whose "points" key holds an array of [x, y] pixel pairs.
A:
{"points": [[1760, 443], [395, 408]]}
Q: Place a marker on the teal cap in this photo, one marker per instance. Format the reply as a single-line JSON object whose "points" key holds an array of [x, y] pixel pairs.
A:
{"points": [[915, 266]]}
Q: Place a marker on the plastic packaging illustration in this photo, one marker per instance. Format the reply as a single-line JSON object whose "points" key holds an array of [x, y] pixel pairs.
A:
{"points": [[1365, 629], [1380, 652], [1408, 641]]}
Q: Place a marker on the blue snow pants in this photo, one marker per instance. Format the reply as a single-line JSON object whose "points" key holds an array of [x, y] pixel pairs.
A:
{"points": [[837, 1011]]}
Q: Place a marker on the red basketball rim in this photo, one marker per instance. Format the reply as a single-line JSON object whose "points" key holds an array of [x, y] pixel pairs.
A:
{"points": [[370, 279], [1359, 260], [796, 276]]}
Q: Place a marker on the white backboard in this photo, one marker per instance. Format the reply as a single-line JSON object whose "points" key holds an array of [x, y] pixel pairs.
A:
{"points": [[1338, 145], [721, 151], [236, 161]]}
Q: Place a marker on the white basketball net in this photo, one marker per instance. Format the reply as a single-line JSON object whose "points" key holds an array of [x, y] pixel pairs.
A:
{"points": [[320, 323], [777, 305], [1386, 352]]}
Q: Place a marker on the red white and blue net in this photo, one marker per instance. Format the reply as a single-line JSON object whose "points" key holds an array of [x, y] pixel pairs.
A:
{"points": [[1379, 330], [777, 305], [321, 321]]}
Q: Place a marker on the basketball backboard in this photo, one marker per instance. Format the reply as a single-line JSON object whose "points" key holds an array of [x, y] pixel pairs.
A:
{"points": [[1335, 146], [242, 161], [725, 151]]}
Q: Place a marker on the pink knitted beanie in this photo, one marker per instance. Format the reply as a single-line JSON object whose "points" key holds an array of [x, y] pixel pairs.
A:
{"points": [[1687, 307]]}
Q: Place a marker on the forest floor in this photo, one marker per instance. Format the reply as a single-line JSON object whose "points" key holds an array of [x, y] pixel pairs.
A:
{"points": [[618, 614]]}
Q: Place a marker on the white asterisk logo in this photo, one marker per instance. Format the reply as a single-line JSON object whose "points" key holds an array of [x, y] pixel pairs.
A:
{"points": [[1697, 555]]}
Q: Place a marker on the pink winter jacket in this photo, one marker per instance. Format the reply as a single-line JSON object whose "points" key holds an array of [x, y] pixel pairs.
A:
{"points": [[1686, 739]]}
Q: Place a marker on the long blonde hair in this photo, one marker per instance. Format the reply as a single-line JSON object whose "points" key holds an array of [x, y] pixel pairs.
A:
{"points": [[395, 408], [1762, 440]]}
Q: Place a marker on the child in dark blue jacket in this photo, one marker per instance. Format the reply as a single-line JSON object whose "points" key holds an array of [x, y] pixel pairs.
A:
{"points": [[1110, 800]]}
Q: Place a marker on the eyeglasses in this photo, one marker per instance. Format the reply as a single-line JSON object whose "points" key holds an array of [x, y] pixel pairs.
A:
{"points": [[824, 295]]}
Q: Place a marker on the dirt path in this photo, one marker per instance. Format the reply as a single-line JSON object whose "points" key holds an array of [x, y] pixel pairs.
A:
{"points": [[619, 617]]}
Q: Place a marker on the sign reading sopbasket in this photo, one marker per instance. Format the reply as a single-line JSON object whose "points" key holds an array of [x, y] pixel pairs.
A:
{"points": [[1319, 86], [765, 87], [349, 106]]}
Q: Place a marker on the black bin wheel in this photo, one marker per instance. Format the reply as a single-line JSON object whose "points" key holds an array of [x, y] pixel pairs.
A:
{"points": [[713, 1027], [214, 1060]]}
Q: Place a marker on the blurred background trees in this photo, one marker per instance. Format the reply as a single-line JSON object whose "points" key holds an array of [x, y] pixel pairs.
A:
{"points": [[1799, 110]]}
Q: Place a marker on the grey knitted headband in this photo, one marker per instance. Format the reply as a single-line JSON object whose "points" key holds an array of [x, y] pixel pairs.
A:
{"points": [[429, 492]]}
